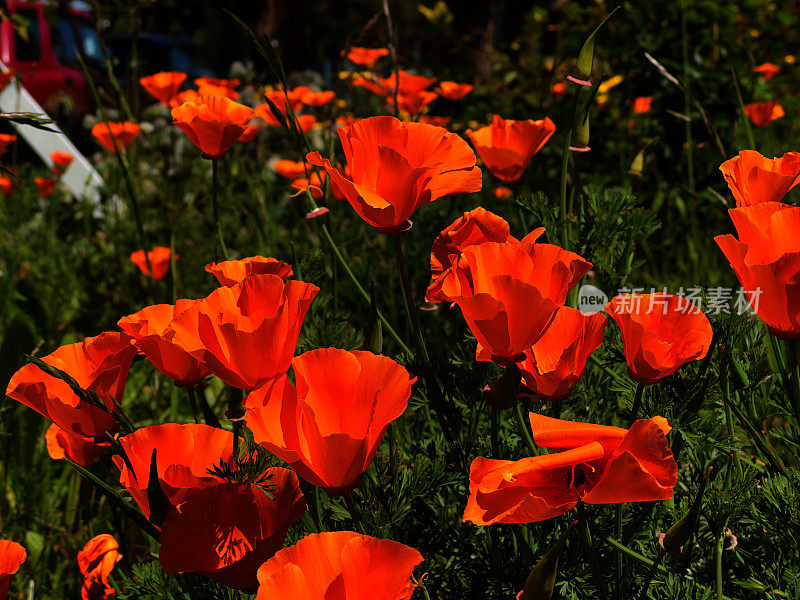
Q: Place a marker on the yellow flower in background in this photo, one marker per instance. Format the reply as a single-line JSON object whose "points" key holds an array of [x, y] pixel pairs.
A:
{"points": [[603, 88], [439, 14]]}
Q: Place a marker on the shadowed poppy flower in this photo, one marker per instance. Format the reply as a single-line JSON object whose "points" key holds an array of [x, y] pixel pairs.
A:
{"points": [[184, 453], [660, 333], [251, 132], [82, 450], [765, 260], [212, 86], [6, 186], [766, 71], [184, 96], [433, 120], [501, 192], [289, 169], [313, 184], [413, 103], [46, 185], [509, 292], [397, 167], [342, 565], [164, 86], [159, 259], [753, 178], [384, 87], [598, 465], [366, 56], [12, 555], [452, 90], [99, 364], [96, 561], [763, 113], [506, 147], [280, 100], [6, 139], [227, 531], [124, 133], [643, 104], [309, 97], [329, 427], [61, 160], [559, 88], [231, 272], [306, 122], [246, 333], [149, 327], [212, 123]]}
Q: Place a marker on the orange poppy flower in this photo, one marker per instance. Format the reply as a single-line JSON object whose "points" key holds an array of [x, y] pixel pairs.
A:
{"points": [[559, 88], [6, 186], [6, 139], [82, 450], [396, 167], [159, 259], [509, 293], [642, 104], [432, 120], [309, 97], [99, 364], [366, 56], [501, 192], [660, 333], [330, 425], [289, 169], [227, 531], [46, 186], [184, 453], [231, 272], [12, 555], [149, 327], [279, 99], [762, 114], [340, 564], [246, 333], [164, 86], [767, 71], [765, 259], [506, 147], [452, 90], [752, 178], [251, 132], [413, 103], [598, 465], [6, 77], [213, 123], [96, 561], [61, 160], [124, 133], [184, 96], [212, 86], [313, 184]]}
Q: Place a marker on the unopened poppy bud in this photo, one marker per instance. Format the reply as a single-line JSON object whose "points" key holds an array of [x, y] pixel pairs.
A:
{"points": [[583, 68], [580, 137], [637, 166], [501, 393], [674, 540], [542, 579]]}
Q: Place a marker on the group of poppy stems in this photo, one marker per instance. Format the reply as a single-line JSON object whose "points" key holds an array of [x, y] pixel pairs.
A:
{"points": [[327, 422]]}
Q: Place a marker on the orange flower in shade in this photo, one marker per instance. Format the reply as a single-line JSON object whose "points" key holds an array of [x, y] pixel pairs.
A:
{"points": [[413, 103], [501, 192], [96, 561], [330, 425], [509, 293], [184, 96], [12, 555], [231, 272], [306, 122], [433, 120], [452, 90], [559, 88], [227, 531], [149, 327], [396, 167], [762, 114], [251, 132], [246, 333], [6, 139], [598, 465], [62, 444], [753, 178], [213, 123], [290, 169], [767, 71], [61, 160], [124, 133], [164, 86], [342, 565], [506, 147], [46, 186], [211, 86], [184, 453], [99, 364], [660, 333], [366, 56], [309, 97], [766, 260], [6, 186], [159, 259], [643, 104], [313, 184]]}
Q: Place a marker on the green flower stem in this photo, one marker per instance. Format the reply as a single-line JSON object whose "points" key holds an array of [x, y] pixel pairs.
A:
{"points": [[214, 191], [586, 535], [620, 547], [524, 429], [408, 297], [793, 370], [193, 403], [651, 573], [355, 516], [495, 432], [637, 402], [718, 550]]}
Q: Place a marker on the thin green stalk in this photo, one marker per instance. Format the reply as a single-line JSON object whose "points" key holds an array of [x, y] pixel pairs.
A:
{"points": [[718, 550], [524, 429], [651, 573], [193, 404], [393, 53], [618, 517], [687, 104], [586, 535], [408, 297], [755, 436], [494, 425], [620, 547], [748, 131], [214, 191], [793, 370], [355, 516], [637, 402]]}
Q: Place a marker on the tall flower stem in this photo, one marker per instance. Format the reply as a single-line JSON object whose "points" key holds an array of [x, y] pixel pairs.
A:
{"points": [[565, 154], [214, 191], [524, 429], [793, 369], [586, 534], [637, 402]]}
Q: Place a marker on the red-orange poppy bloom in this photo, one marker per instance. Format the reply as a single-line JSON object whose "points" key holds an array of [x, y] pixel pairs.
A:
{"points": [[752, 178], [246, 333], [124, 133], [251, 131], [6, 139], [213, 123], [12, 555], [61, 160], [82, 450], [342, 565], [290, 169], [184, 453], [164, 86], [762, 114], [506, 147], [96, 561], [413, 103], [452, 90], [184, 96], [159, 259], [6, 186], [309, 97], [766, 260], [231, 272], [559, 88], [396, 167], [149, 327], [766, 71], [509, 293], [212, 86], [46, 186], [598, 465], [434, 120], [501, 192], [643, 104], [227, 531], [366, 56], [329, 427], [99, 364], [660, 333], [313, 184]]}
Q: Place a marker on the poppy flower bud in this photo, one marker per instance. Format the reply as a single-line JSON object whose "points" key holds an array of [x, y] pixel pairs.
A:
{"points": [[583, 68], [580, 136], [542, 579], [677, 535]]}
